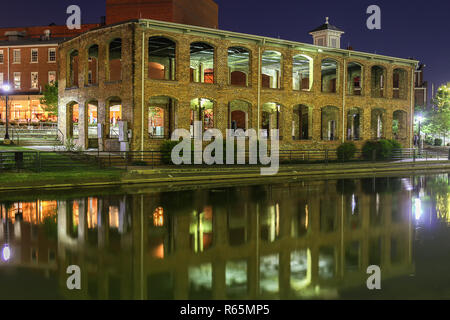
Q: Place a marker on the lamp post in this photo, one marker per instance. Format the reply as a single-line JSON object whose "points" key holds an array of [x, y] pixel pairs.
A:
{"points": [[6, 88]]}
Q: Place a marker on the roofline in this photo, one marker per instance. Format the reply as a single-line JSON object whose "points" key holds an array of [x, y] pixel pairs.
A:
{"points": [[50, 44], [189, 29]]}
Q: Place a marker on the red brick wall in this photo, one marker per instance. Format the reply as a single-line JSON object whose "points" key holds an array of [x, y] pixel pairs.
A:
{"points": [[194, 12], [203, 13], [25, 67]]}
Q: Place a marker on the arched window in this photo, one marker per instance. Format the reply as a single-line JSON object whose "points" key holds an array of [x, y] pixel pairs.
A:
{"points": [[354, 79], [161, 116], [302, 73], [73, 69], [400, 125], [92, 76], [72, 119], [238, 66], [302, 122], [92, 118], [114, 115], [270, 117], [115, 60], [400, 86], [329, 75], [330, 123], [239, 114], [161, 58], [271, 69], [378, 120], [202, 62], [378, 77], [354, 118], [202, 110]]}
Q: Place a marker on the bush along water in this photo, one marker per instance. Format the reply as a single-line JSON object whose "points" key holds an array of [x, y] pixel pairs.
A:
{"points": [[346, 151], [381, 149]]}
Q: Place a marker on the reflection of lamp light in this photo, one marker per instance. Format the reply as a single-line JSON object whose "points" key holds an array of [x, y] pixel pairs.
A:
{"points": [[158, 217], [418, 208], [6, 253]]}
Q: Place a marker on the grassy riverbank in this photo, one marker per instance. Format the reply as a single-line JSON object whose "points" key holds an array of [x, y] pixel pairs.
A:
{"points": [[95, 177]]}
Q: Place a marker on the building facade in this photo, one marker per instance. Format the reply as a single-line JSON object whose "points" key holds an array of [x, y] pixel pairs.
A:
{"points": [[157, 76]]}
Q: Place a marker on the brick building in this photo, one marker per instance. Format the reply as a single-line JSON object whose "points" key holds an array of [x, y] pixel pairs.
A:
{"points": [[29, 59], [157, 76]]}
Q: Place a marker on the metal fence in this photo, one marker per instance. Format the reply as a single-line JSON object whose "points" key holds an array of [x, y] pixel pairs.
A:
{"points": [[93, 160]]}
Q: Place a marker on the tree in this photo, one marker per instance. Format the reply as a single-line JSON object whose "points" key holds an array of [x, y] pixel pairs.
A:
{"points": [[437, 119], [49, 100]]}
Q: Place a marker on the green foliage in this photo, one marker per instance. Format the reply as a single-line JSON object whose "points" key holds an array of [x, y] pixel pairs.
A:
{"points": [[429, 140], [384, 149], [346, 151], [49, 100], [438, 142], [166, 151]]}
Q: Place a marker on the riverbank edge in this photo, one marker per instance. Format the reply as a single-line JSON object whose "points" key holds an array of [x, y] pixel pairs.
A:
{"points": [[138, 176]]}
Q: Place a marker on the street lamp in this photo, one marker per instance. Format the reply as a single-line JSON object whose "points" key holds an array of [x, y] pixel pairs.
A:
{"points": [[6, 89]]}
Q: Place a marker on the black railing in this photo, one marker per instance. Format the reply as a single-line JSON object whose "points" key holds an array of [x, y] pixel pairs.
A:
{"points": [[93, 160]]}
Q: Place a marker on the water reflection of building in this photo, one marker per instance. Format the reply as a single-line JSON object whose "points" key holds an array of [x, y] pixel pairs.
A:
{"points": [[26, 230], [285, 241]]}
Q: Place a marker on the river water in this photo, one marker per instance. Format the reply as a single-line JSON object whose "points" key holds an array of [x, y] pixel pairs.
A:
{"points": [[293, 239]]}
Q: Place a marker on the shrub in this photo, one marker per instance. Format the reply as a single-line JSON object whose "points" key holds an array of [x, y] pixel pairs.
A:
{"points": [[346, 151], [438, 142], [429, 141], [384, 149]]}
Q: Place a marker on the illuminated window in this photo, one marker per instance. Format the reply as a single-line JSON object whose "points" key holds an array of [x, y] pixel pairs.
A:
{"points": [[51, 76], [158, 217], [34, 80], [1, 78], [2, 57], [17, 77]]}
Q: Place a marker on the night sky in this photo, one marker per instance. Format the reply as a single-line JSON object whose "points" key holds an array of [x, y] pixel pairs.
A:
{"points": [[416, 29]]}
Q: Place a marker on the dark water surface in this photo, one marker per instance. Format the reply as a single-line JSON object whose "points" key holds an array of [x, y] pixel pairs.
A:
{"points": [[289, 240]]}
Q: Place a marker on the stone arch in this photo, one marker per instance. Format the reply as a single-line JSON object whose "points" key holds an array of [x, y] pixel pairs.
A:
{"points": [[355, 78], [271, 69], [329, 80], [115, 60], [302, 122], [202, 62], [378, 123], [378, 81], [330, 123], [161, 116], [302, 72], [354, 124], [162, 53], [239, 66]]}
